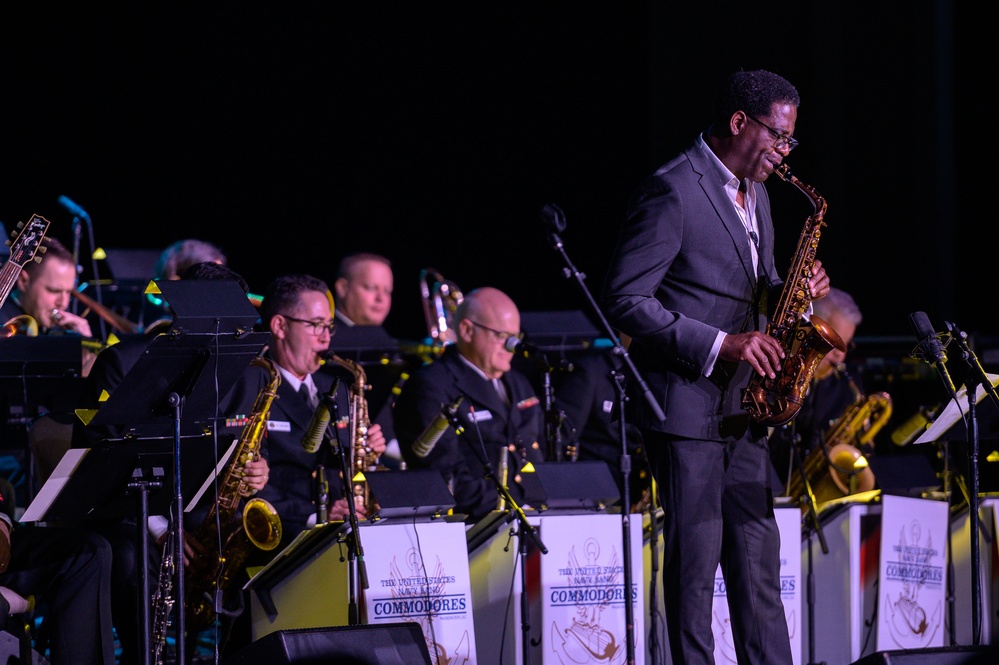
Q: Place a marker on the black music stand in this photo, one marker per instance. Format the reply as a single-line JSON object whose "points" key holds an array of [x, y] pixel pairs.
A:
{"points": [[182, 376], [962, 409], [38, 375], [92, 484]]}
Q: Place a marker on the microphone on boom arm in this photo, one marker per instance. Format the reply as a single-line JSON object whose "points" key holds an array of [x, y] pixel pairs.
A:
{"points": [[425, 443], [316, 431], [931, 349]]}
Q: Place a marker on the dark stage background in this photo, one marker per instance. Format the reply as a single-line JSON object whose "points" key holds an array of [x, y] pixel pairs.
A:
{"points": [[291, 134]]}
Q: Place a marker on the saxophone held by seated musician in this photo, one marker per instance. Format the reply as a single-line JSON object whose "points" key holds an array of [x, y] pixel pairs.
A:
{"points": [[838, 467], [259, 527]]}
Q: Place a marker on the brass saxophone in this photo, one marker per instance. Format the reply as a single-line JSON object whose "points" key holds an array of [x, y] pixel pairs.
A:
{"points": [[776, 401], [363, 458], [832, 469], [260, 526]]}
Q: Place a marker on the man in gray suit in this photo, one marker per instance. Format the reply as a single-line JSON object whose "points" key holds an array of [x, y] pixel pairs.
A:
{"points": [[688, 283]]}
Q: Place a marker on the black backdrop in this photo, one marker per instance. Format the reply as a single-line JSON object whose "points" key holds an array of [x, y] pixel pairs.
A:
{"points": [[293, 133]]}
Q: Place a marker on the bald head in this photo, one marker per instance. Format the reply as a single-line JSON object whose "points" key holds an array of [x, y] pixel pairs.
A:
{"points": [[484, 320]]}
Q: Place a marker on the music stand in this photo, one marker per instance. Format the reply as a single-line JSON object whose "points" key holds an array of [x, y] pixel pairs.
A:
{"points": [[92, 484], [38, 375], [183, 373]]}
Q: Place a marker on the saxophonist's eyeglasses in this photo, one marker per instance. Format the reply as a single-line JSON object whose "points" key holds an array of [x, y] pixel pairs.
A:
{"points": [[781, 140], [317, 326]]}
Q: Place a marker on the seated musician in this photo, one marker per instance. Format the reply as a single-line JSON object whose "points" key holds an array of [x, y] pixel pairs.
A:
{"points": [[363, 290], [502, 419], [111, 367], [40, 302]]}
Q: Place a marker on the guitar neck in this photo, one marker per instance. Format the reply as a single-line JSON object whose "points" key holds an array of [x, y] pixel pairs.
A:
{"points": [[8, 277]]}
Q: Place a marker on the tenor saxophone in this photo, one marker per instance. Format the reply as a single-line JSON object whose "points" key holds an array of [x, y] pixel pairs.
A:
{"points": [[805, 342], [260, 526]]}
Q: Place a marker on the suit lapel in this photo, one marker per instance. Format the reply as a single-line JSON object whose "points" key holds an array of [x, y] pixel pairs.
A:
{"points": [[714, 189]]}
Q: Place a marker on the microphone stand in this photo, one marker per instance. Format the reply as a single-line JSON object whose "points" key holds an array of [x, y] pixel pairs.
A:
{"points": [[76, 253], [978, 377], [625, 466], [355, 552], [552, 215], [553, 417], [811, 524], [77, 218], [525, 530], [176, 402]]}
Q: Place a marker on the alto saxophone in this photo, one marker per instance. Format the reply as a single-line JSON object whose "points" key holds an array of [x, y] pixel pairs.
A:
{"points": [[260, 526], [363, 458], [776, 401]]}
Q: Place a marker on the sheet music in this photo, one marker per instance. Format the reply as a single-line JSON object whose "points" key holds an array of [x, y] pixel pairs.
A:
{"points": [[210, 480], [53, 486], [954, 411]]}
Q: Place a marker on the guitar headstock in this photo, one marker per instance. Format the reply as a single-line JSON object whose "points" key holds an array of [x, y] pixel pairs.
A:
{"points": [[26, 240]]}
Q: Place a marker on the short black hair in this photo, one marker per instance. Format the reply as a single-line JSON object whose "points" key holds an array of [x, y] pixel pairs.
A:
{"points": [[754, 92], [212, 270], [283, 295]]}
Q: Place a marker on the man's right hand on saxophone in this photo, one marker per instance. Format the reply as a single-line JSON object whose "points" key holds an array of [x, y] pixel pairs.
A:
{"points": [[763, 352]]}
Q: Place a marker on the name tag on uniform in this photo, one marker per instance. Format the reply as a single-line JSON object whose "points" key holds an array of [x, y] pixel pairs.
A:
{"points": [[278, 426], [476, 416]]}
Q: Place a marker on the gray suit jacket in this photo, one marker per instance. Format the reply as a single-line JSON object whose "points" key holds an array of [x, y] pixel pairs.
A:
{"points": [[682, 270]]}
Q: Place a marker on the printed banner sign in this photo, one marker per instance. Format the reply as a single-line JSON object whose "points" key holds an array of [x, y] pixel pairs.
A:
{"points": [[913, 573], [582, 590], [419, 572], [789, 525]]}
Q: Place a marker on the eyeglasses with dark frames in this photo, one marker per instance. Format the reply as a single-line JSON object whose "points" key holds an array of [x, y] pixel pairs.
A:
{"points": [[317, 326], [781, 140], [501, 335]]}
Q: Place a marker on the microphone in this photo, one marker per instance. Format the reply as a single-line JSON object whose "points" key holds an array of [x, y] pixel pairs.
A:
{"points": [[73, 208], [515, 345], [316, 431], [930, 348], [435, 430]]}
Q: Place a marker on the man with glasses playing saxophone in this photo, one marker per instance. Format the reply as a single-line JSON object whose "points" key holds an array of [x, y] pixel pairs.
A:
{"points": [[297, 310], [501, 419], [687, 283]]}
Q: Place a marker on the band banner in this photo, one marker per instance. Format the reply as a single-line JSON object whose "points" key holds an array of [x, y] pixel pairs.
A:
{"points": [[913, 573], [789, 525], [582, 590], [419, 572]]}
